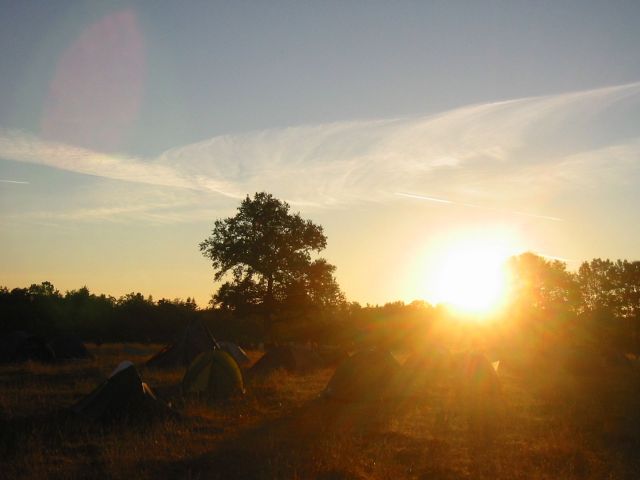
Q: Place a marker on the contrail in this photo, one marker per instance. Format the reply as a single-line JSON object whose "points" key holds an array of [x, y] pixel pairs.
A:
{"points": [[14, 181], [471, 205], [422, 197]]}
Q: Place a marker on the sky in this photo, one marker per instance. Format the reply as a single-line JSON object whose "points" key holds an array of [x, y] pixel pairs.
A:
{"points": [[406, 129]]}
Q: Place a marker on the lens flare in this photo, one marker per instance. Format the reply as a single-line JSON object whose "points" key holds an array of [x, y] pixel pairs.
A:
{"points": [[96, 93]]}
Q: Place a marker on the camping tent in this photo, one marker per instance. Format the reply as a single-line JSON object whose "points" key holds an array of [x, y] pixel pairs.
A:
{"points": [[368, 375], [238, 354], [123, 396], [195, 339], [291, 358], [480, 376], [68, 347], [214, 375], [477, 390], [22, 346]]}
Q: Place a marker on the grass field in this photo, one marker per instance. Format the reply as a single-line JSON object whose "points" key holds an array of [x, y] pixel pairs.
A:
{"points": [[584, 429]]}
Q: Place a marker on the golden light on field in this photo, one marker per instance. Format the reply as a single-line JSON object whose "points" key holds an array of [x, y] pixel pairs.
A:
{"points": [[470, 275]]}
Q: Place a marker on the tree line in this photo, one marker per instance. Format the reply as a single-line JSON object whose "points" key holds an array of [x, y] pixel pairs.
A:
{"points": [[274, 287], [42, 309], [599, 302]]}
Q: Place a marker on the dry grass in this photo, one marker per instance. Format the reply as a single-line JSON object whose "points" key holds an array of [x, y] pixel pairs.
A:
{"points": [[544, 430]]}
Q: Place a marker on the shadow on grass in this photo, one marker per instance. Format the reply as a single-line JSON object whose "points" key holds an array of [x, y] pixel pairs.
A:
{"points": [[326, 439]]}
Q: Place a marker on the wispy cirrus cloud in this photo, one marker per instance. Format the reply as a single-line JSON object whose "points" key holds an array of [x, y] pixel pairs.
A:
{"points": [[151, 213], [24, 147], [487, 156]]}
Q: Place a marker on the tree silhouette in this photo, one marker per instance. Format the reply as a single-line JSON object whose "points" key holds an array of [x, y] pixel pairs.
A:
{"points": [[267, 251], [611, 295], [541, 284]]}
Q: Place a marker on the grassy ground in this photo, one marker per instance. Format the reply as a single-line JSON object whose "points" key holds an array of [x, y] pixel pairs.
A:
{"points": [[280, 429]]}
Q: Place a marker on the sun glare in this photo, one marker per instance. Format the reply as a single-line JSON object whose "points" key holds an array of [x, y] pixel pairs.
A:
{"points": [[470, 276]]}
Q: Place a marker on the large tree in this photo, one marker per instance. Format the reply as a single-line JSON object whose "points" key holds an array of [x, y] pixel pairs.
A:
{"points": [[543, 302], [265, 251], [540, 284]]}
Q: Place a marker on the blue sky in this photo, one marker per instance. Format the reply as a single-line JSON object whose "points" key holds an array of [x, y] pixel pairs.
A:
{"points": [[400, 127]]}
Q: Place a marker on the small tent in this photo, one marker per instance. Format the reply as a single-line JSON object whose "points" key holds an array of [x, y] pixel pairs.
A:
{"points": [[477, 390], [214, 375], [195, 339], [238, 354], [480, 375], [291, 358], [68, 347], [123, 396], [21, 346], [368, 375]]}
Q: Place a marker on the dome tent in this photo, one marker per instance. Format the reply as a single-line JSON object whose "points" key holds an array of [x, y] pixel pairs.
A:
{"points": [[291, 358], [214, 375], [368, 375], [195, 339], [123, 396]]}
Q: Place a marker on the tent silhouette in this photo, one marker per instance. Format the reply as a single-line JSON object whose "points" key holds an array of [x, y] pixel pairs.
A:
{"points": [[195, 339], [122, 397], [291, 358], [368, 375]]}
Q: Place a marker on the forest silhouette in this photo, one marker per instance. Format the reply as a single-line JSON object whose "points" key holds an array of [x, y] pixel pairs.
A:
{"points": [[274, 290]]}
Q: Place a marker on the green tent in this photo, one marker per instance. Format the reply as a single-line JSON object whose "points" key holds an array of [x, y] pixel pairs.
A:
{"points": [[214, 375]]}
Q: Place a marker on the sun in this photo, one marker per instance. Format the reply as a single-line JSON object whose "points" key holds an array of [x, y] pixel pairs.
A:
{"points": [[470, 276]]}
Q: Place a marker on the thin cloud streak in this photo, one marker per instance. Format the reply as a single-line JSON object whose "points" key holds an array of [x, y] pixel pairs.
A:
{"points": [[519, 152], [422, 197], [155, 214], [18, 182], [23, 147], [497, 210]]}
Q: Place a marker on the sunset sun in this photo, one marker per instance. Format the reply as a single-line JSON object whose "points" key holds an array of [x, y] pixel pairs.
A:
{"points": [[470, 276]]}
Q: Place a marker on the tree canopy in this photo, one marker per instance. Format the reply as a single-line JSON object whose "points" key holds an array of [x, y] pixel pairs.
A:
{"points": [[265, 251]]}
